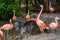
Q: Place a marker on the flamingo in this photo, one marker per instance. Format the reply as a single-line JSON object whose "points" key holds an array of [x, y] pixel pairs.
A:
{"points": [[39, 22], [7, 26], [14, 18], [51, 9], [28, 16], [54, 25]]}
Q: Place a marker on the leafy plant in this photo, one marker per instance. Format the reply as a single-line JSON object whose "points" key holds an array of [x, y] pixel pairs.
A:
{"points": [[21, 13], [58, 2], [6, 10]]}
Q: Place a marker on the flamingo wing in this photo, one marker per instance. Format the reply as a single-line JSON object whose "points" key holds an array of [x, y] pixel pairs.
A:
{"points": [[6, 27], [43, 25]]}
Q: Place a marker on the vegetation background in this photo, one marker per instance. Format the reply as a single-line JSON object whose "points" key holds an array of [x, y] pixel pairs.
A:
{"points": [[7, 7]]}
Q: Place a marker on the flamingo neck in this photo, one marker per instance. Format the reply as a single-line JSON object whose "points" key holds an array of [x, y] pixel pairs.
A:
{"points": [[50, 4], [56, 21], [14, 13], [40, 13], [28, 12], [10, 21]]}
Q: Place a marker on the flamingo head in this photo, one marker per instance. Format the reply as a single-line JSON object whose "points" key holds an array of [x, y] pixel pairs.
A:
{"points": [[56, 18], [41, 6], [13, 10]]}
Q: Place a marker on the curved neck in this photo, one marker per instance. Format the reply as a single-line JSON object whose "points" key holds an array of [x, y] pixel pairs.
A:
{"points": [[28, 12], [14, 13], [40, 13], [56, 21], [49, 4]]}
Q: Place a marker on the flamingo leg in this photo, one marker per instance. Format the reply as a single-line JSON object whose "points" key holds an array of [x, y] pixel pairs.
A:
{"points": [[0, 38], [7, 35], [42, 32], [4, 35], [20, 38], [14, 37], [51, 31], [27, 34]]}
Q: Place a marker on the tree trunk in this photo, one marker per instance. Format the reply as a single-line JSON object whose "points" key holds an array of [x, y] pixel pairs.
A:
{"points": [[20, 3], [47, 5], [26, 6]]}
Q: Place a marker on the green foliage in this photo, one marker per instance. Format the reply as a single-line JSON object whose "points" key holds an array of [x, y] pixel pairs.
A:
{"points": [[5, 11], [58, 2], [2, 10], [2, 1], [21, 13], [30, 7], [6, 8]]}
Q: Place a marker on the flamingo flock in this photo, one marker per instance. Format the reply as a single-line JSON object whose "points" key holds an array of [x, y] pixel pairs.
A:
{"points": [[38, 21], [41, 25]]}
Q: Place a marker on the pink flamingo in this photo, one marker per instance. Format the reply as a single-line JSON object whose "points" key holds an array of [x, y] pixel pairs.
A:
{"points": [[51, 9], [54, 25], [28, 16], [14, 18], [39, 22], [7, 26]]}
